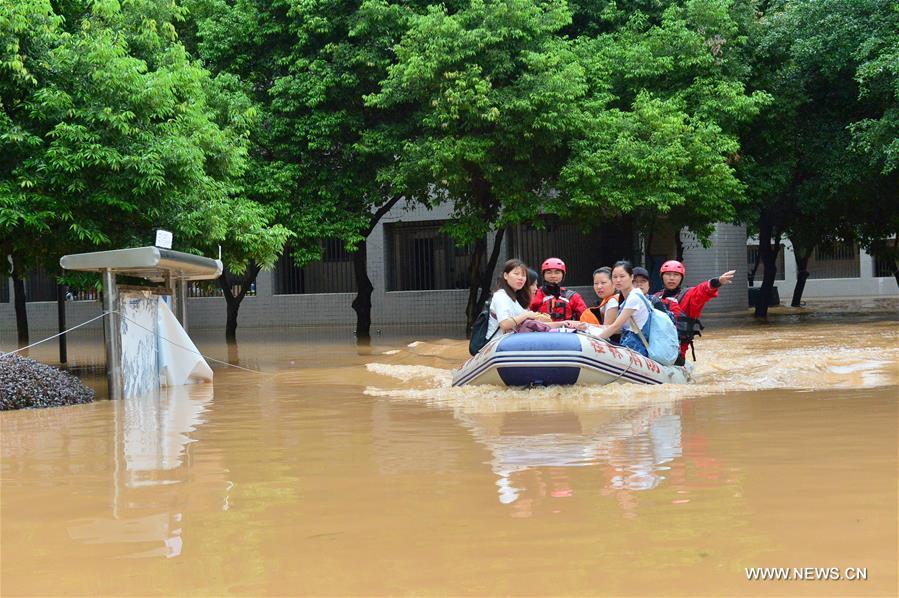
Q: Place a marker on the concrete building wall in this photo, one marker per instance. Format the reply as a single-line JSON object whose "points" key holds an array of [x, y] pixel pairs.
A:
{"points": [[727, 251], [866, 285]]}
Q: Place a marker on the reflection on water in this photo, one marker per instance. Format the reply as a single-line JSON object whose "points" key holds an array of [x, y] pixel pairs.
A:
{"points": [[348, 470], [151, 433], [634, 446]]}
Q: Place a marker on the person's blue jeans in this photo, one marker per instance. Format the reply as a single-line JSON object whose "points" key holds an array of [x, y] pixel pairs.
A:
{"points": [[631, 341]]}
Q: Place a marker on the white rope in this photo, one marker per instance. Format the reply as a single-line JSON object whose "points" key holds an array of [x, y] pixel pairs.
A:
{"points": [[50, 338], [106, 313], [191, 350]]}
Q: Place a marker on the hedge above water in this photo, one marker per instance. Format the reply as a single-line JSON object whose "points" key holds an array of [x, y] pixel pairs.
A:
{"points": [[26, 384]]}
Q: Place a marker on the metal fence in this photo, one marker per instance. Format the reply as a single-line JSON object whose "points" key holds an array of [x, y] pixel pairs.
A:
{"points": [[582, 252], [884, 268], [420, 257], [333, 274], [40, 286], [837, 261], [752, 252]]}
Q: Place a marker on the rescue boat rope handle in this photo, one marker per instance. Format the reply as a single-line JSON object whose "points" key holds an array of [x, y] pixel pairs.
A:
{"points": [[124, 317], [606, 341]]}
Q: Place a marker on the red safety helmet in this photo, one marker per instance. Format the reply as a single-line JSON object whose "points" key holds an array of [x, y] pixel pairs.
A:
{"points": [[673, 266], [553, 263]]}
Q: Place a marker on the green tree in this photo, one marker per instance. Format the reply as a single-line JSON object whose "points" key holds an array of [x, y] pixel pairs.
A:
{"points": [[319, 154], [820, 164], [520, 109], [668, 98], [109, 130], [493, 94]]}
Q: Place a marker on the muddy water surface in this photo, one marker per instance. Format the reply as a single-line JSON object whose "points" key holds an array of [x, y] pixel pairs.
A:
{"points": [[340, 470]]}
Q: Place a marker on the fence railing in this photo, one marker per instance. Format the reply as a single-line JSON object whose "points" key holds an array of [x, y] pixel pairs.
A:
{"points": [[837, 261]]}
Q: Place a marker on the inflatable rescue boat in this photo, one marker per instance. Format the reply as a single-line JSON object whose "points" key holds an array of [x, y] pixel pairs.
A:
{"points": [[550, 358]]}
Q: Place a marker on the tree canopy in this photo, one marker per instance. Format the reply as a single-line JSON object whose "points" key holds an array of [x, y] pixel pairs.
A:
{"points": [[110, 129], [820, 163]]}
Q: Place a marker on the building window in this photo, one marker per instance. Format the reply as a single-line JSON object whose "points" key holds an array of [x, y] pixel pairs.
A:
{"points": [[582, 252], [4, 290], [420, 257], [752, 254], [836, 261], [884, 268], [39, 286], [333, 274]]}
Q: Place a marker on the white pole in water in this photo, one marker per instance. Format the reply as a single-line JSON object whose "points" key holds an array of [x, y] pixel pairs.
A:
{"points": [[112, 331]]}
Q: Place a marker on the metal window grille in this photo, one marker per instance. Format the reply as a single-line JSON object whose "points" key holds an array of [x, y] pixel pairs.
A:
{"points": [[333, 274], [884, 268], [40, 286], [582, 252], [420, 257], [837, 261], [752, 252]]}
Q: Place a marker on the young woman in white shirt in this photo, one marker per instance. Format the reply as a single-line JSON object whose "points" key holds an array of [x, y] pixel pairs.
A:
{"points": [[511, 298], [634, 306]]}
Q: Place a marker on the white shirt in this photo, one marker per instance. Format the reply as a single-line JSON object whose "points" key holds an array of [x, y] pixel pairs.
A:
{"points": [[611, 304], [636, 300], [502, 307]]}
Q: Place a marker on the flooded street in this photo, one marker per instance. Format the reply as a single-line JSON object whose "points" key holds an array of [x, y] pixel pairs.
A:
{"points": [[339, 470]]}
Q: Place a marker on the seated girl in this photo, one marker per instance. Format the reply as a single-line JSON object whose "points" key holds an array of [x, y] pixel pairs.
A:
{"points": [[632, 310], [606, 308]]}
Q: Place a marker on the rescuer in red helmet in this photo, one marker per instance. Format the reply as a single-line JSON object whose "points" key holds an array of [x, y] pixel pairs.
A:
{"points": [[686, 303], [560, 303]]}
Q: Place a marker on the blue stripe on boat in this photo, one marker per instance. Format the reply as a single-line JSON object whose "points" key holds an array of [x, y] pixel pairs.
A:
{"points": [[527, 376], [540, 341]]}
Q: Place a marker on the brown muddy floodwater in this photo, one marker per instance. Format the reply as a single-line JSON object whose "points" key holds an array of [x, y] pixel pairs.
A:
{"points": [[358, 471]]}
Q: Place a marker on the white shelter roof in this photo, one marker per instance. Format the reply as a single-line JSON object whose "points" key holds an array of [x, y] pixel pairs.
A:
{"points": [[152, 263]]}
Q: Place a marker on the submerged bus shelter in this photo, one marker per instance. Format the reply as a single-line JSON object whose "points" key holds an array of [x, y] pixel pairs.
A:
{"points": [[173, 268]]}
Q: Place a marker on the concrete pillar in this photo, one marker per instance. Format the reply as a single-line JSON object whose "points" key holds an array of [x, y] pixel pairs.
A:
{"points": [[726, 252], [866, 265]]}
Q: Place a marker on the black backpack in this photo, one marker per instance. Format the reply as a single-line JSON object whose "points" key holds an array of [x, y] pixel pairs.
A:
{"points": [[479, 330]]}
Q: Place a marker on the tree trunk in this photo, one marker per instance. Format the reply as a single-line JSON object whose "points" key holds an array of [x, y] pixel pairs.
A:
{"points": [[364, 290], [18, 287], [768, 257], [895, 260], [475, 280], [802, 275], [486, 280], [232, 302]]}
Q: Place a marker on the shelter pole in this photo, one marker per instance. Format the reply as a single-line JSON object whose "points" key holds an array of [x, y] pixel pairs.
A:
{"points": [[112, 331], [61, 316], [182, 302]]}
